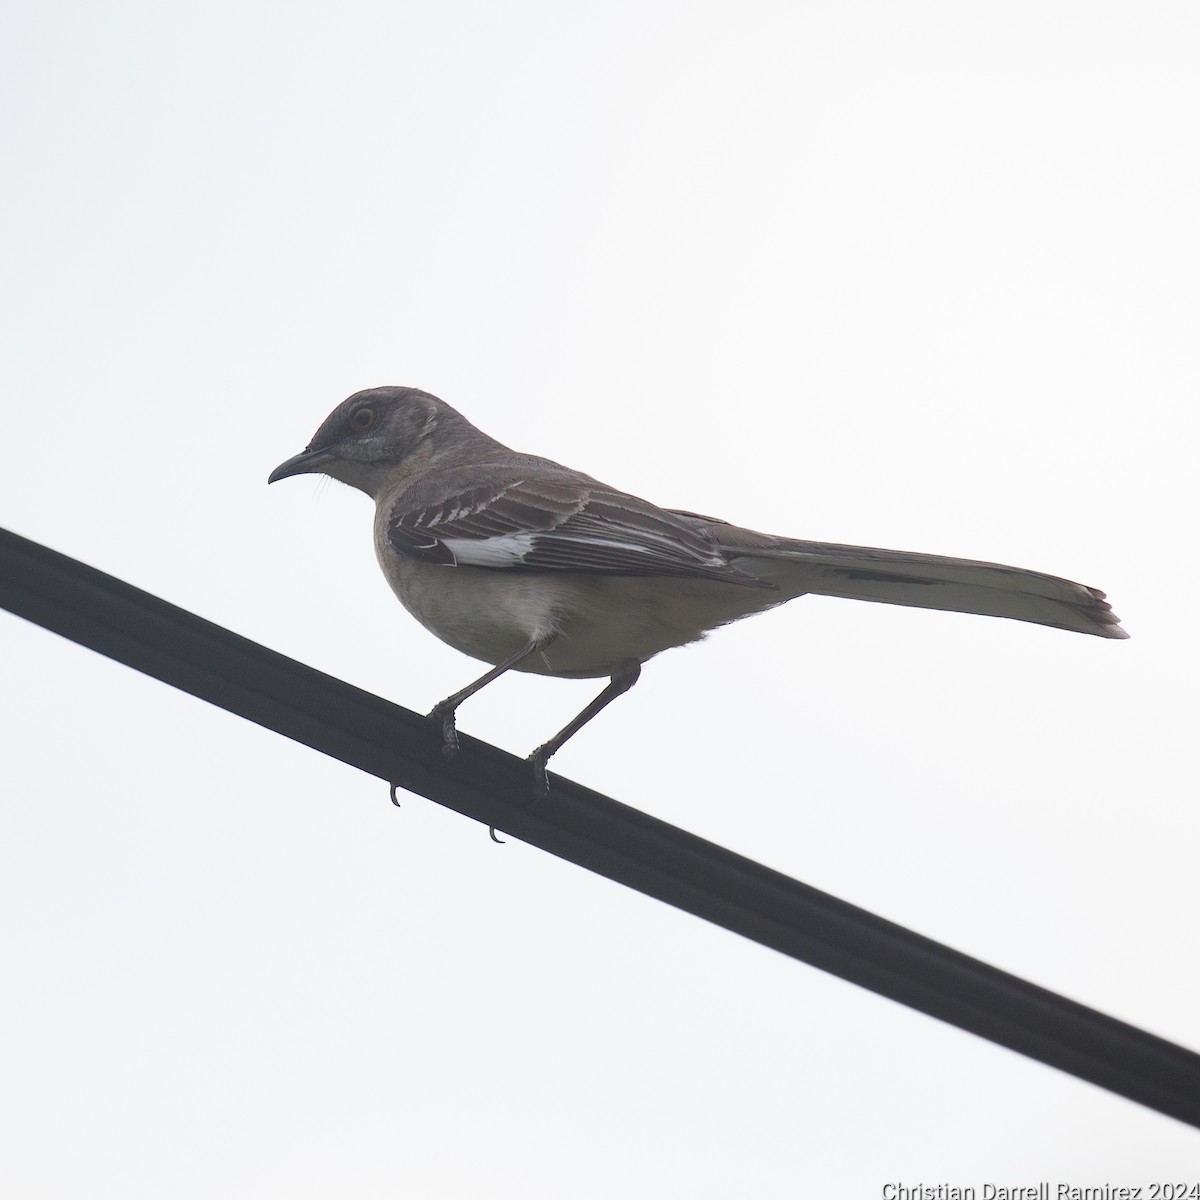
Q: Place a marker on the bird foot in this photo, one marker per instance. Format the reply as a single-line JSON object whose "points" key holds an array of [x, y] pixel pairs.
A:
{"points": [[541, 783], [449, 730]]}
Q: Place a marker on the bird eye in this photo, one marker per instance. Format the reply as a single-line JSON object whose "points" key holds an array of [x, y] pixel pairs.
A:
{"points": [[363, 418]]}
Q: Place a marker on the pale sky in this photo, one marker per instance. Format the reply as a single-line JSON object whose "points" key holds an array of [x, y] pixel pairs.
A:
{"points": [[921, 276]]}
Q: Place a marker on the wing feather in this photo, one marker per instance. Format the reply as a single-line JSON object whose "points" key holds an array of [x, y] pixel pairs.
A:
{"points": [[559, 524]]}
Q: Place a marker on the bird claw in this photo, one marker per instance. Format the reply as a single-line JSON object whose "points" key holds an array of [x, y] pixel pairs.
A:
{"points": [[541, 783], [449, 730], [392, 792]]}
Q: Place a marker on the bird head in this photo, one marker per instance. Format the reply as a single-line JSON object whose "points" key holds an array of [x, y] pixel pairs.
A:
{"points": [[368, 436]]}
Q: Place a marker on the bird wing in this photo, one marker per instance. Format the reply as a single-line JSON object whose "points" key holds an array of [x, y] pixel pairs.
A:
{"points": [[555, 522]]}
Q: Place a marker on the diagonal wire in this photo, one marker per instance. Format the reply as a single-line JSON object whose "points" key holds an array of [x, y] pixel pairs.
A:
{"points": [[591, 830]]}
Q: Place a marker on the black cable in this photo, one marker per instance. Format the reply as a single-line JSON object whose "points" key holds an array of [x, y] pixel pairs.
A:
{"points": [[589, 829]]}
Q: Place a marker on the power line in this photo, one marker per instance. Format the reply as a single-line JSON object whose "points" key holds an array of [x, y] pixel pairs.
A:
{"points": [[492, 787]]}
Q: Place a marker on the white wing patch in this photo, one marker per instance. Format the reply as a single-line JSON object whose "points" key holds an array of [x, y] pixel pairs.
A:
{"points": [[507, 551]]}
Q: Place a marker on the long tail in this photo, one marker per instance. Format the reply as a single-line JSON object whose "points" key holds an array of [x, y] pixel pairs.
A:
{"points": [[919, 581]]}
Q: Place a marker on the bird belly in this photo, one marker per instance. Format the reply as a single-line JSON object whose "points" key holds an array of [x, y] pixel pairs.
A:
{"points": [[596, 622], [488, 615]]}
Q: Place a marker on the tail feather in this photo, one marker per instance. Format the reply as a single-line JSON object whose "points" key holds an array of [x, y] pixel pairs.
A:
{"points": [[920, 581]]}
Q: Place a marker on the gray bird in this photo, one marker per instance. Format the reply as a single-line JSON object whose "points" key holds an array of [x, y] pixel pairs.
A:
{"points": [[528, 565]]}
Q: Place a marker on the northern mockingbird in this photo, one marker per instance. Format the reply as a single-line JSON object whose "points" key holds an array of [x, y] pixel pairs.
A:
{"points": [[530, 566]]}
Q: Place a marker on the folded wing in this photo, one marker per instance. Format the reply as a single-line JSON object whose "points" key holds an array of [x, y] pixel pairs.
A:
{"points": [[558, 523]]}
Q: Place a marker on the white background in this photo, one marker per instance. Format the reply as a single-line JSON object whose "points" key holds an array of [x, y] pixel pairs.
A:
{"points": [[914, 275]]}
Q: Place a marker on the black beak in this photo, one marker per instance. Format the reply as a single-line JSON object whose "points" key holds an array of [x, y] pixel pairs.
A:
{"points": [[301, 464]]}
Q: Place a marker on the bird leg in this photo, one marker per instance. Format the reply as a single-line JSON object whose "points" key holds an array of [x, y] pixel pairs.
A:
{"points": [[623, 678], [444, 710]]}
